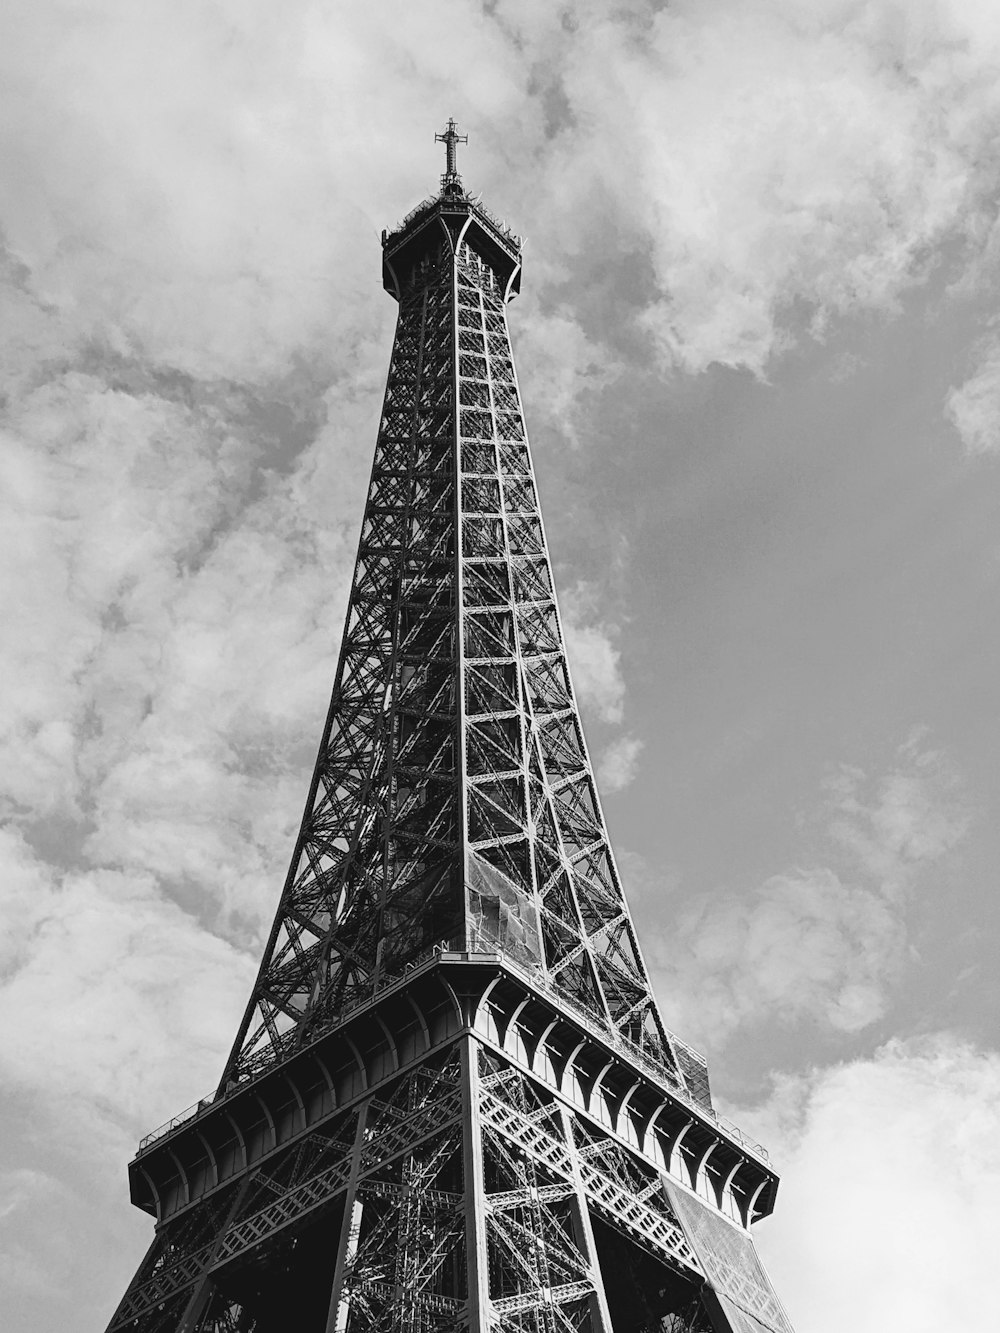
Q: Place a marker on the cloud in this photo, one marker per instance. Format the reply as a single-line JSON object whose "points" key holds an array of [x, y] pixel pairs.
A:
{"points": [[594, 661], [871, 1154], [17, 1187], [129, 997], [974, 406], [619, 763], [779, 165], [824, 944], [566, 367], [907, 818], [192, 370], [190, 184], [188, 190], [24, 1194], [177, 555], [799, 946]]}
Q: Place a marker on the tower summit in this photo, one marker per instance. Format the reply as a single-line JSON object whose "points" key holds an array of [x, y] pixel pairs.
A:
{"points": [[451, 181], [452, 1103]]}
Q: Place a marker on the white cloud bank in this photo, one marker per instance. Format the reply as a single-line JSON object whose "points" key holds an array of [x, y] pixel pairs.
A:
{"points": [[779, 159], [126, 995], [886, 1215], [190, 184]]}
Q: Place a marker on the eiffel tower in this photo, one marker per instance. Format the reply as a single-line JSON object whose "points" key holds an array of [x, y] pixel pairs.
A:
{"points": [[452, 1103]]}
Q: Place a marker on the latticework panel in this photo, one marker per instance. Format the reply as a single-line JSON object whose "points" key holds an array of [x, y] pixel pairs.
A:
{"points": [[413, 1216], [454, 752], [741, 1285], [406, 1269], [402, 1262], [242, 1220], [377, 1220], [541, 876], [617, 1184], [375, 872], [396, 1159]]}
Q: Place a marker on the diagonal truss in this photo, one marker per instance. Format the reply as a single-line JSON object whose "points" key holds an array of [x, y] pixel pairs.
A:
{"points": [[453, 798]]}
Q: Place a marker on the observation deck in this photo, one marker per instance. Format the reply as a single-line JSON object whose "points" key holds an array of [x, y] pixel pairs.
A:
{"points": [[458, 217]]}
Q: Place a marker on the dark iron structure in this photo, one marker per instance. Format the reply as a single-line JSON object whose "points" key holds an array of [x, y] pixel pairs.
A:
{"points": [[452, 1103]]}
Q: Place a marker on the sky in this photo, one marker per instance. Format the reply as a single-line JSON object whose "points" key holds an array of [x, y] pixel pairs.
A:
{"points": [[759, 348]]}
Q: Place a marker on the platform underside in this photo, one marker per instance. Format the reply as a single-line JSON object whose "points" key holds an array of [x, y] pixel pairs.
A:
{"points": [[487, 1182]]}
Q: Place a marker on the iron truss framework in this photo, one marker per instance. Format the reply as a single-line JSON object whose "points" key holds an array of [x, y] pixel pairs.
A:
{"points": [[452, 1102]]}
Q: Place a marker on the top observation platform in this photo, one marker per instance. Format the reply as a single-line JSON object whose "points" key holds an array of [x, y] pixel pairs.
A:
{"points": [[457, 216]]}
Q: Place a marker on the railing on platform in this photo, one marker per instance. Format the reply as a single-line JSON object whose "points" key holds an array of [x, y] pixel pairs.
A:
{"points": [[655, 1069], [475, 202], [538, 980], [275, 1051]]}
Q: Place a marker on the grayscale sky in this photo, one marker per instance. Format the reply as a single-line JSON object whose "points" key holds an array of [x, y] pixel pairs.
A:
{"points": [[760, 355]]}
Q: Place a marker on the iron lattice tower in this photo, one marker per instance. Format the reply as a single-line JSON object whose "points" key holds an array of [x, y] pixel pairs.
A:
{"points": [[452, 1103]]}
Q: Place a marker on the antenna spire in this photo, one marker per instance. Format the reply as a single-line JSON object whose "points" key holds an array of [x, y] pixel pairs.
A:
{"points": [[451, 181]]}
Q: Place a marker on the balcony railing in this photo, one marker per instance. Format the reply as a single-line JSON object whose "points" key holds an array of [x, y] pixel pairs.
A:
{"points": [[538, 980]]}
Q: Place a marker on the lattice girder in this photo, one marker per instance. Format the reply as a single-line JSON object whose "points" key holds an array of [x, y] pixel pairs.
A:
{"points": [[369, 1135], [390, 1175], [453, 798]]}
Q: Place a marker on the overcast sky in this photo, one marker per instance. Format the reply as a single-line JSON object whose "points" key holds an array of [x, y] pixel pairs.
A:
{"points": [[760, 356]]}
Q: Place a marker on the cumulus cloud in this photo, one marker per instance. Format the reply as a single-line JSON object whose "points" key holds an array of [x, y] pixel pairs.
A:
{"points": [[212, 170], [872, 1154], [128, 996], [16, 1187], [801, 156], [171, 605], [114, 1005], [566, 365], [799, 946], [192, 365], [619, 763], [594, 660], [821, 944], [24, 1193], [907, 818], [190, 188]]}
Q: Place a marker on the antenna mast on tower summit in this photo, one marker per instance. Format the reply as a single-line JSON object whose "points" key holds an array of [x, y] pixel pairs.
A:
{"points": [[452, 1103]]}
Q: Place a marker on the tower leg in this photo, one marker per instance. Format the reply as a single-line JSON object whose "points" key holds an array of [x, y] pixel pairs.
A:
{"points": [[350, 1230], [599, 1315], [475, 1203]]}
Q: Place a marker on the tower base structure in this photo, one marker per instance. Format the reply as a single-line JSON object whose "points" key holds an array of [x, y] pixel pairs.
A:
{"points": [[461, 1153]]}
